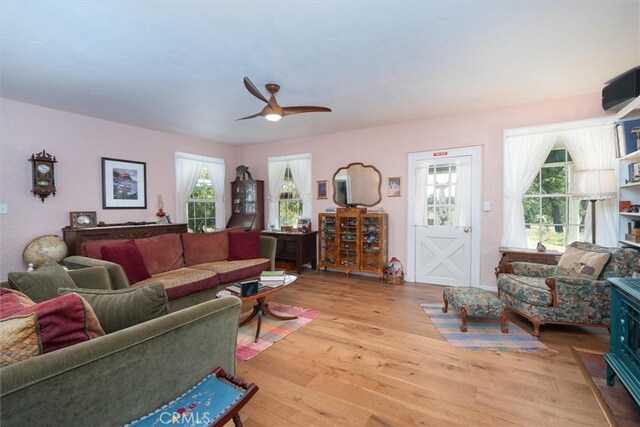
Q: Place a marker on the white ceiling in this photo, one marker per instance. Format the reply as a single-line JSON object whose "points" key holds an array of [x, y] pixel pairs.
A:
{"points": [[178, 66]]}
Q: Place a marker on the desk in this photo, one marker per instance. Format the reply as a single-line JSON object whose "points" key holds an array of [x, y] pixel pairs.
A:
{"points": [[293, 246], [510, 255]]}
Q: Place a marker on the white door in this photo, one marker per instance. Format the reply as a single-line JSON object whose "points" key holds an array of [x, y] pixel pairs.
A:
{"points": [[445, 200]]}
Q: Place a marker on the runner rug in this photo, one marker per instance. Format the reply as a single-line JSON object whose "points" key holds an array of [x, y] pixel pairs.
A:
{"points": [[271, 330], [482, 333]]}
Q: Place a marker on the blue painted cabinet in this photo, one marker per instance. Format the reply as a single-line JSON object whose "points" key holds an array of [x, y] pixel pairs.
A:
{"points": [[623, 358]]}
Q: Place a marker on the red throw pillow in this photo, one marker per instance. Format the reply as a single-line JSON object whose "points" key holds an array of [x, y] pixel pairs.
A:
{"points": [[130, 259], [244, 245]]}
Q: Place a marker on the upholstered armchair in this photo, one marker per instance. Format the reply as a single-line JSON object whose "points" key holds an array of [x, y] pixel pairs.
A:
{"points": [[549, 294]]}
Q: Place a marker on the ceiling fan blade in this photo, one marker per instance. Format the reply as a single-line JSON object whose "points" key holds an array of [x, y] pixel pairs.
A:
{"points": [[287, 111], [253, 90], [251, 116]]}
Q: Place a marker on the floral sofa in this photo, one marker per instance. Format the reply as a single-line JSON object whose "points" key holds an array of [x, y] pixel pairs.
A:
{"points": [[192, 267], [545, 294]]}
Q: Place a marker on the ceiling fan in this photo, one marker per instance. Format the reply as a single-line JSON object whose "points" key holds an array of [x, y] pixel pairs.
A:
{"points": [[272, 111]]}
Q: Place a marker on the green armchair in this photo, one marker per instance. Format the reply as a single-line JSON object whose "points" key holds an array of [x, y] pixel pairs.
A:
{"points": [[536, 292]]}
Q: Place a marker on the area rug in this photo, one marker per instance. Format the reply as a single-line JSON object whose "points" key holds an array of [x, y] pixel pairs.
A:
{"points": [[271, 330], [616, 403], [482, 333]]}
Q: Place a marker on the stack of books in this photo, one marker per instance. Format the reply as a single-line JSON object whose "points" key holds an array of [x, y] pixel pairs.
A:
{"points": [[272, 279]]}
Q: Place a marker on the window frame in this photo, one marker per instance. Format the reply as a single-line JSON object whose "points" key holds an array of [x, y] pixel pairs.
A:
{"points": [[574, 221]]}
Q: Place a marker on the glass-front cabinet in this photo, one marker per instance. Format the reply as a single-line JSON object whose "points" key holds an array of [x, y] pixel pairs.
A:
{"points": [[373, 253], [348, 234], [352, 240], [247, 202], [327, 242]]}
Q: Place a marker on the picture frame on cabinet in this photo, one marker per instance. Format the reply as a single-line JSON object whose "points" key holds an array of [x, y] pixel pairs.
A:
{"points": [[83, 219], [393, 186], [322, 190], [124, 184]]}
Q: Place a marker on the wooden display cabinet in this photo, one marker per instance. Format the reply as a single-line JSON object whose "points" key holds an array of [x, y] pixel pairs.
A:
{"points": [[373, 253], [327, 249], [247, 199], [352, 240]]}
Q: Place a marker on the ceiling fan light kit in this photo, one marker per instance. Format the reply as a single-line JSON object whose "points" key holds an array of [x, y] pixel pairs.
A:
{"points": [[273, 111]]}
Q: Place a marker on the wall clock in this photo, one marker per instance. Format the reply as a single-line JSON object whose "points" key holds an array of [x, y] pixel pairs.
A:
{"points": [[42, 171]]}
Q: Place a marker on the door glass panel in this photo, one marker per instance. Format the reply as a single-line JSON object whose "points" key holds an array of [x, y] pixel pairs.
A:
{"points": [[440, 194]]}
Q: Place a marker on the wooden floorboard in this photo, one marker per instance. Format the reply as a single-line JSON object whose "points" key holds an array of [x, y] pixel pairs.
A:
{"points": [[373, 358]]}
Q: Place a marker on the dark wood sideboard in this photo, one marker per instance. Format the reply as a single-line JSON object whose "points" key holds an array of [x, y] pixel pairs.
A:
{"points": [[510, 255], [294, 246], [74, 237]]}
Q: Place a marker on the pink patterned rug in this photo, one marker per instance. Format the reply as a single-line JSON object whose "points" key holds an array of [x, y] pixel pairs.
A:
{"points": [[271, 331]]}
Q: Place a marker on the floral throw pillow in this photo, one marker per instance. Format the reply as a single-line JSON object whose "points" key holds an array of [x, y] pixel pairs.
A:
{"points": [[582, 264]]}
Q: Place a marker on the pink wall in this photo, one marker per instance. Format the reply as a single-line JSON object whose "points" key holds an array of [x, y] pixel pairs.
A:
{"points": [[386, 148], [79, 142]]}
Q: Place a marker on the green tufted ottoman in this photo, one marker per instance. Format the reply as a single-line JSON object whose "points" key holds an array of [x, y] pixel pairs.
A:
{"points": [[475, 302]]}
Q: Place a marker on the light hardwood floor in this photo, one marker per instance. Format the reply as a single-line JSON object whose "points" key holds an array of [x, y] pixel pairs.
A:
{"points": [[373, 358]]}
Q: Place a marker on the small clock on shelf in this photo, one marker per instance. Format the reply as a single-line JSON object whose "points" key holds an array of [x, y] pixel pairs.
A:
{"points": [[42, 170]]}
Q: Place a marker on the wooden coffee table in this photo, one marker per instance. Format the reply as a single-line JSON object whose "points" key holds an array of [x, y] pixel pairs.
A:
{"points": [[261, 307]]}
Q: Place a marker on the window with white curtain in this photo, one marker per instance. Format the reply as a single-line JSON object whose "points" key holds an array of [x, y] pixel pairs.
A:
{"points": [[200, 183], [538, 166], [201, 208], [289, 190]]}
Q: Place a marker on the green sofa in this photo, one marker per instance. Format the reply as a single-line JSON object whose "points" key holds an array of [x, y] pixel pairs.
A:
{"points": [[121, 376]]}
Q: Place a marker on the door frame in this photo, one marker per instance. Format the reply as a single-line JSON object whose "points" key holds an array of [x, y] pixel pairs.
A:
{"points": [[476, 201]]}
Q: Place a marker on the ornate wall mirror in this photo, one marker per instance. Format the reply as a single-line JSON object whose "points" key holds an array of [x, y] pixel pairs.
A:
{"points": [[357, 184]]}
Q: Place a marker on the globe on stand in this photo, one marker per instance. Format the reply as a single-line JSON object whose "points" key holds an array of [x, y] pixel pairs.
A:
{"points": [[43, 249]]}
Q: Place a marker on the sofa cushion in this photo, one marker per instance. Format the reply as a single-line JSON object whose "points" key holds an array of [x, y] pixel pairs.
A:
{"points": [[532, 290], [244, 245], [205, 247], [28, 329], [93, 248], [580, 263], [129, 257], [122, 308], [41, 284], [232, 271], [183, 281], [169, 257], [161, 253]]}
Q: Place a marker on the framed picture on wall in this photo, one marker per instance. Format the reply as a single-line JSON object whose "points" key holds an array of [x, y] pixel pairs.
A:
{"points": [[322, 189], [393, 186], [124, 184]]}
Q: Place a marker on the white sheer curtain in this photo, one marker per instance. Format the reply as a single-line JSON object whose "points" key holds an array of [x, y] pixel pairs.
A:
{"points": [[187, 173], [420, 214], [463, 192], [594, 148], [277, 168], [301, 174], [524, 155], [217, 176]]}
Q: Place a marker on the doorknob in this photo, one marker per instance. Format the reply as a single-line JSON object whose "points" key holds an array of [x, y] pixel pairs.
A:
{"points": [[466, 229]]}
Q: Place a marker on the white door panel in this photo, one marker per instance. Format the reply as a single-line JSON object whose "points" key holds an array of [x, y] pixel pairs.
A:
{"points": [[443, 255], [444, 250]]}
